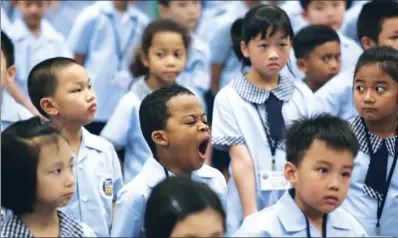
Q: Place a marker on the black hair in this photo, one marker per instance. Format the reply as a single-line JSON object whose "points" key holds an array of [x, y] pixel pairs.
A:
{"points": [[312, 36], [164, 2], [21, 144], [371, 19], [174, 199], [305, 3], [154, 111], [7, 47], [137, 68], [43, 79], [385, 56], [257, 21], [335, 132]]}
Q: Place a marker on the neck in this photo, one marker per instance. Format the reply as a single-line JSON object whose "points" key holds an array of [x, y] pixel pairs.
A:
{"points": [[155, 83], [121, 6], [314, 216], [35, 30], [72, 132], [384, 128], [267, 83], [168, 162], [312, 85], [42, 218]]}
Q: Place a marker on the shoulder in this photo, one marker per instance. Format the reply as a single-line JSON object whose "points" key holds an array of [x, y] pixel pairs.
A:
{"points": [[199, 45], [50, 32], [209, 172], [129, 100], [302, 89], [260, 223], [134, 193], [99, 143], [347, 221], [226, 93], [141, 16]]}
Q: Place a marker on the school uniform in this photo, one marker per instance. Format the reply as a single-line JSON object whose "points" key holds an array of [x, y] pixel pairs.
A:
{"points": [[364, 195], [124, 130], [12, 12], [31, 50], [11, 111], [197, 69], [285, 219], [240, 118], [98, 179], [15, 227], [336, 97], [108, 40], [5, 22], [349, 27], [350, 52], [131, 202], [62, 14], [294, 9]]}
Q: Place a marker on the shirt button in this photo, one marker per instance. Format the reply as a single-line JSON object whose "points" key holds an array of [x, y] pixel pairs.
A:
{"points": [[80, 166], [84, 199]]}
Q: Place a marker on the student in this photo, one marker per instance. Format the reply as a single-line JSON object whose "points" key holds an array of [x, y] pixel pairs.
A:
{"points": [[175, 127], [197, 69], [181, 207], [11, 111], [35, 39], [242, 123], [43, 156], [330, 13], [377, 25], [163, 54], [102, 40], [61, 89], [320, 154], [317, 50], [373, 191]]}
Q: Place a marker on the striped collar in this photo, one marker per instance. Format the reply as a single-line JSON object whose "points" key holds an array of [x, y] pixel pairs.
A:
{"points": [[253, 94]]}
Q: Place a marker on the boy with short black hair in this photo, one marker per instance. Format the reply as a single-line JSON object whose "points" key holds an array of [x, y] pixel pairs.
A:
{"points": [[377, 26], [317, 50], [320, 155], [61, 89], [175, 127]]}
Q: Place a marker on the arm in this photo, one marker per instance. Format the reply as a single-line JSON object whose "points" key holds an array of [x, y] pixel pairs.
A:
{"points": [[244, 177]]}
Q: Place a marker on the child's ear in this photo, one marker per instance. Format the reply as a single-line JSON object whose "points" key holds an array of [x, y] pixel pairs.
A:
{"points": [[11, 73], [243, 49], [144, 59], [291, 172], [367, 43], [304, 14], [302, 65], [49, 106], [160, 138]]}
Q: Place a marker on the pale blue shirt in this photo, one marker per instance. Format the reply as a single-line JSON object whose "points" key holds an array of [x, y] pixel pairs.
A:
{"points": [[131, 202], [31, 50], [108, 41], [361, 205], [98, 180], [336, 97], [12, 111], [124, 130], [5, 22], [349, 27], [285, 219], [236, 121], [294, 9], [350, 53], [65, 15]]}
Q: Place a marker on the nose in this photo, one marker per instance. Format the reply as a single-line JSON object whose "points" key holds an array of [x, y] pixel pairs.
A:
{"points": [[273, 54], [334, 183], [334, 65], [70, 178], [90, 96], [368, 99], [170, 61], [203, 127]]}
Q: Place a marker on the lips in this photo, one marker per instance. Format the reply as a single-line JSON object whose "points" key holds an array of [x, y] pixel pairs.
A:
{"points": [[68, 195], [93, 107], [331, 199], [202, 148], [273, 65]]}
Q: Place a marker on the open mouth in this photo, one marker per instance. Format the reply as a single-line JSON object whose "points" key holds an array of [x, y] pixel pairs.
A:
{"points": [[203, 147]]}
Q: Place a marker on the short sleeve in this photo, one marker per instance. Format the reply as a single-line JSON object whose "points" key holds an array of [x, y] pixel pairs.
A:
{"points": [[220, 44], [118, 125], [117, 174], [225, 129], [129, 213], [82, 30]]}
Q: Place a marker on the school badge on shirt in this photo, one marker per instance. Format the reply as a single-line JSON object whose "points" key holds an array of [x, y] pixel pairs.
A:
{"points": [[106, 188]]}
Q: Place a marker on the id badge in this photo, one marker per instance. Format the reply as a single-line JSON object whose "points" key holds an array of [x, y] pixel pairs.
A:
{"points": [[122, 79], [273, 180]]}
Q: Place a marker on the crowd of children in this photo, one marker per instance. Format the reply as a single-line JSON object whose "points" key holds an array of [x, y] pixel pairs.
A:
{"points": [[237, 118]]}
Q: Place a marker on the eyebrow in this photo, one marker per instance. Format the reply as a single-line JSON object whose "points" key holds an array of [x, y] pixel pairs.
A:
{"points": [[330, 164]]}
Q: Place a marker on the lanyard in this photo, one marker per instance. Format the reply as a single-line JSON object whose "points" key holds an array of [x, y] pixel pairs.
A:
{"points": [[272, 146], [380, 205], [325, 217], [166, 172], [118, 40]]}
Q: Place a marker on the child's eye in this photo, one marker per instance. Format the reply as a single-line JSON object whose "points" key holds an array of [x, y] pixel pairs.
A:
{"points": [[78, 90], [89, 86], [56, 172], [346, 174], [178, 54], [394, 37], [359, 88], [322, 170], [282, 45], [160, 54], [263, 46], [325, 59], [379, 89]]}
